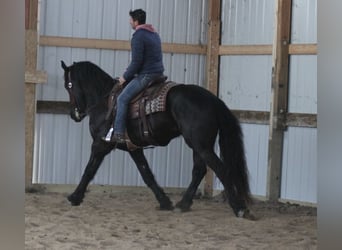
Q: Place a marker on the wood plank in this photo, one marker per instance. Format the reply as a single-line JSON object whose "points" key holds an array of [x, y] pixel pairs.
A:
{"points": [[244, 116], [31, 43], [212, 66], [53, 107], [31, 14], [245, 50], [37, 76], [178, 48], [301, 120], [263, 117], [252, 117], [116, 44], [294, 49], [266, 49], [30, 93], [303, 49], [280, 71], [88, 43]]}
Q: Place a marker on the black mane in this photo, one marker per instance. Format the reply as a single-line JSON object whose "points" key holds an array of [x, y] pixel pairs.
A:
{"points": [[92, 78]]}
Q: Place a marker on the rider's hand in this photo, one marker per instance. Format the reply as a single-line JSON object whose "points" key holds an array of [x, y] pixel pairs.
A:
{"points": [[121, 80]]}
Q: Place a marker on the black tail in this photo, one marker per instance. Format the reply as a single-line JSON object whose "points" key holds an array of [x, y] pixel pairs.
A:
{"points": [[233, 156]]}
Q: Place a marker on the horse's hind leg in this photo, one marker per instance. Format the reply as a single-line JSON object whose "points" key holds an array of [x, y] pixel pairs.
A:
{"points": [[98, 152], [238, 205], [198, 172], [147, 175]]}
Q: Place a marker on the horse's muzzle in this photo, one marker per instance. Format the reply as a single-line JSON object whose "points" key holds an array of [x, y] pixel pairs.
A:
{"points": [[76, 115]]}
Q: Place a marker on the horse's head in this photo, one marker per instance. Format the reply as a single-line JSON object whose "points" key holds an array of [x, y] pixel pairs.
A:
{"points": [[76, 94]]}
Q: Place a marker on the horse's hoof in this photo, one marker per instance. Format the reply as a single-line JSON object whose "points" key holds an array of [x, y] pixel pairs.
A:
{"points": [[246, 214], [169, 207], [182, 208], [74, 201]]}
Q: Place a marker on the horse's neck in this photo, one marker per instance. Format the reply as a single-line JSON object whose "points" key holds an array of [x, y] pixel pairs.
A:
{"points": [[98, 111], [95, 97]]}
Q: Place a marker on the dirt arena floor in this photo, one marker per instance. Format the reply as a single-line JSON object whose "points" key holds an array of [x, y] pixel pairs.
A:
{"points": [[126, 218]]}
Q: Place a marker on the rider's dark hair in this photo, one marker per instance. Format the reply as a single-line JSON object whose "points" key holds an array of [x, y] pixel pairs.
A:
{"points": [[138, 15]]}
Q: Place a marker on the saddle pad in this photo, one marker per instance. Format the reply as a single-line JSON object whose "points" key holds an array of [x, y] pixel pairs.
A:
{"points": [[153, 102]]}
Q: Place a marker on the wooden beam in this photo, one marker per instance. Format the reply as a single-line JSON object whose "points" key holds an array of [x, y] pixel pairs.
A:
{"points": [[87, 43], [245, 50], [263, 117], [35, 76], [116, 45], [31, 10], [262, 49], [294, 49], [303, 49], [301, 120], [53, 107], [178, 48], [252, 117], [31, 14], [280, 71], [244, 116], [214, 30]]}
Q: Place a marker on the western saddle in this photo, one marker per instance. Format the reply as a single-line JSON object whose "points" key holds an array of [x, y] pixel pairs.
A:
{"points": [[151, 100]]}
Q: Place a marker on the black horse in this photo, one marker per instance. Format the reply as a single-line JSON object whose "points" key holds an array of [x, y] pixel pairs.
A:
{"points": [[191, 111]]}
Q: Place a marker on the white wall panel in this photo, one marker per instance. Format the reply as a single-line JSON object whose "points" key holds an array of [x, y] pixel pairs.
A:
{"points": [[304, 21], [245, 82], [303, 84], [247, 22], [299, 173]]}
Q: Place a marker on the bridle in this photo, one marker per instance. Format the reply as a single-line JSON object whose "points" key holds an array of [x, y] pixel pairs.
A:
{"points": [[78, 114], [73, 101]]}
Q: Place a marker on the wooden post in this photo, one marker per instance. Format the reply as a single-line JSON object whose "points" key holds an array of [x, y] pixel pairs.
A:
{"points": [[31, 78], [279, 107], [214, 33]]}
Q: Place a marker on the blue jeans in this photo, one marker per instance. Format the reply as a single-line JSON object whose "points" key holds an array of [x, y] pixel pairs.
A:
{"points": [[128, 93]]}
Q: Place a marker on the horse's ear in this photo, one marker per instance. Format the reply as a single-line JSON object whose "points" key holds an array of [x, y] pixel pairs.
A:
{"points": [[64, 66]]}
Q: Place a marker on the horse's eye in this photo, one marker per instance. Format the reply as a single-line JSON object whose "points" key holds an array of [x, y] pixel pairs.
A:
{"points": [[70, 85]]}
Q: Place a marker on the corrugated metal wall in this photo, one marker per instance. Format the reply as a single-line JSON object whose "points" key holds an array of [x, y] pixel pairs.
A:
{"points": [[62, 147], [299, 172], [245, 84], [245, 81]]}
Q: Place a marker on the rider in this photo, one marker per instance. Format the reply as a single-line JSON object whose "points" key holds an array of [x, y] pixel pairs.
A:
{"points": [[146, 64]]}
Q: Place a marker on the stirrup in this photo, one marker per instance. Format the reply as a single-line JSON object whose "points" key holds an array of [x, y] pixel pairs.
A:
{"points": [[108, 137]]}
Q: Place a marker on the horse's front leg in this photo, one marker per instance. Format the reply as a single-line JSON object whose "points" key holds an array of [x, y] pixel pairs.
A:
{"points": [[98, 151], [148, 177]]}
